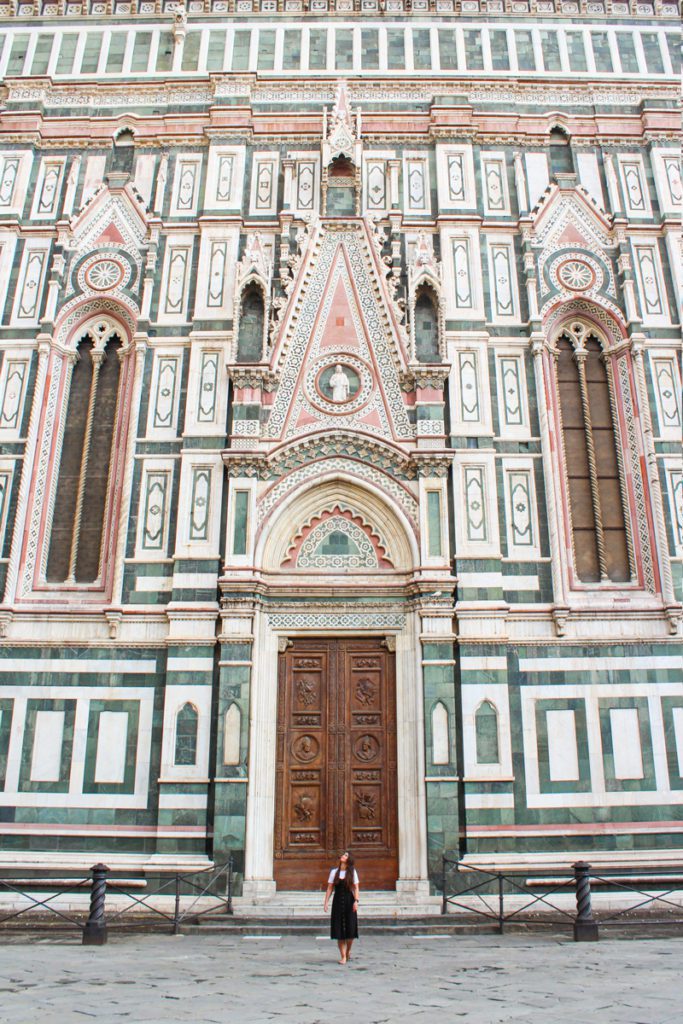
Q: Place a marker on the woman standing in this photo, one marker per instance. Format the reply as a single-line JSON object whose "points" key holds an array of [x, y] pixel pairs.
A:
{"points": [[343, 881]]}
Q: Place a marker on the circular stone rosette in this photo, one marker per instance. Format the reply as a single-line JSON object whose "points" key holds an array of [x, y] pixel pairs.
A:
{"points": [[320, 380], [577, 274], [104, 273]]}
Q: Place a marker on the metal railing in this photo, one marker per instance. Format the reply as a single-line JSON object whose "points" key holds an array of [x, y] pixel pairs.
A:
{"points": [[191, 895], [525, 896], [46, 902]]}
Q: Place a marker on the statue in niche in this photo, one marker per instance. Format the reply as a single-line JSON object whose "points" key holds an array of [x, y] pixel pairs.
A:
{"points": [[340, 384]]}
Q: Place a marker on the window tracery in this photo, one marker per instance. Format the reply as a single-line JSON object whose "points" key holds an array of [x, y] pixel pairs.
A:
{"points": [[75, 552], [593, 465]]}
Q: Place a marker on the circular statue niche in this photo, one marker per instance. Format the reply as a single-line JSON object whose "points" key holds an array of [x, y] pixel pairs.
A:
{"points": [[338, 383]]}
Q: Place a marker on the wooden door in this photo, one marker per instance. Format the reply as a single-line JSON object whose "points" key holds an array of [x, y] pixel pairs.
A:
{"points": [[336, 762]]}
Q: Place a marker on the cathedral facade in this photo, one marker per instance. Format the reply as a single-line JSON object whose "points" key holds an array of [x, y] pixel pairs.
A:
{"points": [[341, 497]]}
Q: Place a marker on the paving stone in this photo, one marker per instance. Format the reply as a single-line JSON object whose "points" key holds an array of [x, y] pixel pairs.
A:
{"points": [[479, 979]]}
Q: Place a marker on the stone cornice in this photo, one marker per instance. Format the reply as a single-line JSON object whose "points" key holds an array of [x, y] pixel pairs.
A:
{"points": [[438, 120], [116, 12]]}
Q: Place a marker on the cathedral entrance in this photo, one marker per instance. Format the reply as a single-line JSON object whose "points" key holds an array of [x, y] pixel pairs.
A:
{"points": [[336, 784]]}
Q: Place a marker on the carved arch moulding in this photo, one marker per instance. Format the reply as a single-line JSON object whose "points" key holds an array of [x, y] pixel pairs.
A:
{"points": [[101, 320], [293, 516], [580, 321]]}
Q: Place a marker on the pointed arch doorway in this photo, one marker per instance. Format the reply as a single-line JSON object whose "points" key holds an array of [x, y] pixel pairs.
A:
{"points": [[336, 784]]}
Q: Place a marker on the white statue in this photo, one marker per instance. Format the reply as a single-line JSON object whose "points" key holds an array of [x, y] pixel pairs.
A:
{"points": [[340, 384]]}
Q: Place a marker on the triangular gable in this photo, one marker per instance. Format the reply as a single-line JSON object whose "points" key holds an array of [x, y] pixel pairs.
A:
{"points": [[341, 319], [112, 217], [560, 208], [575, 248]]}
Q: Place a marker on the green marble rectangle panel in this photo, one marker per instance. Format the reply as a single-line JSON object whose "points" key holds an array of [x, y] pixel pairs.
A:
{"points": [[612, 783], [96, 708], [548, 785], [6, 713], [61, 785], [674, 754]]}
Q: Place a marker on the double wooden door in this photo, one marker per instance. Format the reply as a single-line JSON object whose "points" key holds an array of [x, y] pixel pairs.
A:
{"points": [[336, 762]]}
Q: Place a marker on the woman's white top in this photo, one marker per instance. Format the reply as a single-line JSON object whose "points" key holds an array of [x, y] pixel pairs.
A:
{"points": [[342, 874]]}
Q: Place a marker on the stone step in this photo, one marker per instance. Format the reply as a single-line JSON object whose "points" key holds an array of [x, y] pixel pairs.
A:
{"points": [[373, 904], [319, 926]]}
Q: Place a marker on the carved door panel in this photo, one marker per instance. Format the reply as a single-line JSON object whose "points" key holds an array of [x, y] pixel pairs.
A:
{"points": [[336, 762]]}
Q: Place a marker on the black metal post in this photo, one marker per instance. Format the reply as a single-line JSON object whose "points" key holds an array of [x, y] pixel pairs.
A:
{"points": [[501, 906], [444, 898], [176, 909], [585, 927], [95, 931], [228, 906]]}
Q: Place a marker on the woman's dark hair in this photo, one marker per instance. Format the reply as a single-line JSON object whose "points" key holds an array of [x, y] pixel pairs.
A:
{"points": [[350, 871]]}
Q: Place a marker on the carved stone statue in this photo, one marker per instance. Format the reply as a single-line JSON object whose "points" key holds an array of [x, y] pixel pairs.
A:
{"points": [[340, 384]]}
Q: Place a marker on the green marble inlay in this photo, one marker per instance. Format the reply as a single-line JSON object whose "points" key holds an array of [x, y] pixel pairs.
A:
{"points": [[236, 652], [187, 721], [239, 533], [60, 785], [674, 754], [434, 523], [6, 711], [548, 785], [640, 705], [437, 652], [97, 707], [486, 734]]}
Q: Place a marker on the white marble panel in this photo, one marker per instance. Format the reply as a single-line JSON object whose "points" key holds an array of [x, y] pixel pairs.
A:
{"points": [[563, 757], [589, 176], [231, 735], [440, 742], [537, 176], [110, 761], [626, 748], [678, 735], [48, 738]]}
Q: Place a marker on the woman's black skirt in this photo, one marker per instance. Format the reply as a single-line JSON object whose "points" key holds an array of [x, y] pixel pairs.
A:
{"points": [[344, 922]]}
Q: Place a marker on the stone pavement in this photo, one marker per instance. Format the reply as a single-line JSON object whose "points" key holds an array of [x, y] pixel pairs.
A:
{"points": [[481, 979]]}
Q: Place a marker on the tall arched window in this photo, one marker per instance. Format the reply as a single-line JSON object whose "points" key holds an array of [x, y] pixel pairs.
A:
{"points": [[426, 328], [591, 459], [83, 482], [186, 725], [250, 332]]}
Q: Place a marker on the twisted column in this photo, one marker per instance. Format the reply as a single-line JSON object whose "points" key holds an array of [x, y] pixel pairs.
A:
{"points": [[95, 931], [97, 357], [585, 927], [580, 356]]}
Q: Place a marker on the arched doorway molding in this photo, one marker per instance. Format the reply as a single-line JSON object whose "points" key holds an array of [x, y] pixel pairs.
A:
{"points": [[311, 498], [289, 610]]}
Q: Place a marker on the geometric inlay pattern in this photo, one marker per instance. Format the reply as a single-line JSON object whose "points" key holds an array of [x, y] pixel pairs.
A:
{"points": [[340, 322]]}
